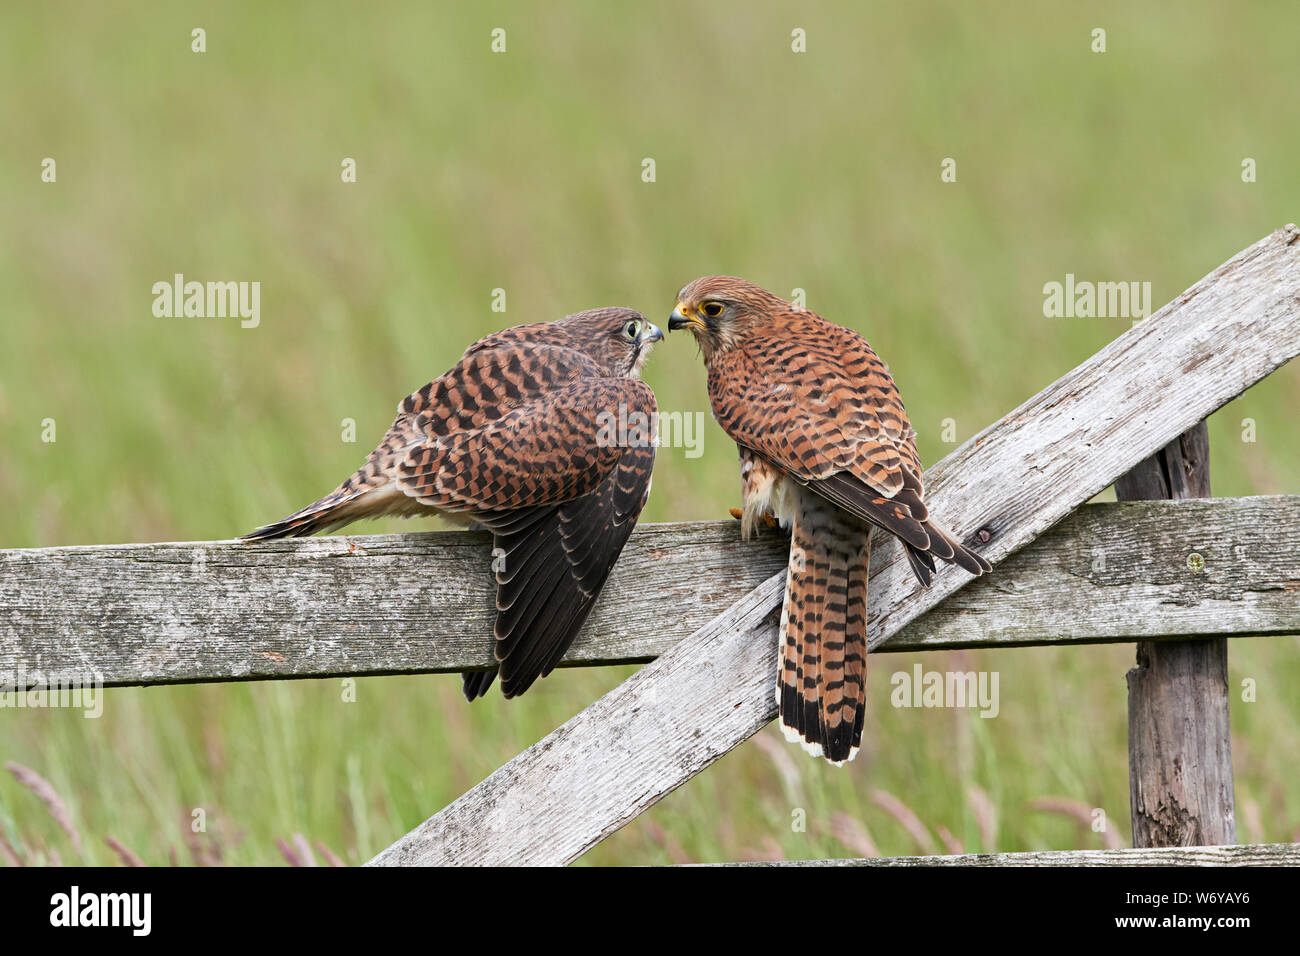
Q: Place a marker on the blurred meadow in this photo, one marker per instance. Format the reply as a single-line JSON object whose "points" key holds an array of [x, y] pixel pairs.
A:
{"points": [[523, 171]]}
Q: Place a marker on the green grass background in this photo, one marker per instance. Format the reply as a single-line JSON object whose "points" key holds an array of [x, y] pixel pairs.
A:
{"points": [[523, 171]]}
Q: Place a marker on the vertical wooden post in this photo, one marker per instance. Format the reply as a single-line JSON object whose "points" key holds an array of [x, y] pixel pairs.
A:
{"points": [[1179, 748]]}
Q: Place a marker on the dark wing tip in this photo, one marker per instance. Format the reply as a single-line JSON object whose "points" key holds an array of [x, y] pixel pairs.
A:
{"points": [[921, 563], [475, 684], [857, 498], [968, 560]]}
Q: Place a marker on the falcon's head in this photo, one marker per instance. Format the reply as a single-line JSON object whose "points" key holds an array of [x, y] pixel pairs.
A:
{"points": [[618, 340], [720, 309]]}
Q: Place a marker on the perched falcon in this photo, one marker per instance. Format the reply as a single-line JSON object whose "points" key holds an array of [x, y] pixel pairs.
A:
{"points": [[521, 437], [826, 446]]}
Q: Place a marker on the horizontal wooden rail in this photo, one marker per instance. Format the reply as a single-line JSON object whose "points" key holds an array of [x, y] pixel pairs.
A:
{"points": [[316, 607], [1248, 854], [146, 614]]}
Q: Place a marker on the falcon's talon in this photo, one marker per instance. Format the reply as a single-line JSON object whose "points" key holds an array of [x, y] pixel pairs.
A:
{"points": [[767, 517]]}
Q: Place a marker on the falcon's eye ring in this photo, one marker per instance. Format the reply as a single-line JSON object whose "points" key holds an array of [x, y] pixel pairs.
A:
{"points": [[712, 309], [632, 330]]}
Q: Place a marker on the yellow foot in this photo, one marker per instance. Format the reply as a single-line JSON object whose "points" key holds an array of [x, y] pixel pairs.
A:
{"points": [[768, 517]]}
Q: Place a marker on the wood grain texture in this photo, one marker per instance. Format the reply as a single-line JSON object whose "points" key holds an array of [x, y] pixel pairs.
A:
{"points": [[1257, 854], [1119, 571], [669, 720], [302, 608], [1179, 738], [1000, 490], [207, 611]]}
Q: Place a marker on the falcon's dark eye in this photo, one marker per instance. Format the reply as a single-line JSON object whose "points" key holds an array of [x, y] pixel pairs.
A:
{"points": [[712, 309], [632, 330]]}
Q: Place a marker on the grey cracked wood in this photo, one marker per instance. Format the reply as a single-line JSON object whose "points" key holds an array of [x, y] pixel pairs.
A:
{"points": [[1256, 854], [1009, 484], [208, 611], [161, 613], [1179, 738], [1119, 571]]}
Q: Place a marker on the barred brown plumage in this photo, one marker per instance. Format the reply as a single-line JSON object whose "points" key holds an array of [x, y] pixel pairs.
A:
{"points": [[511, 439], [825, 444]]}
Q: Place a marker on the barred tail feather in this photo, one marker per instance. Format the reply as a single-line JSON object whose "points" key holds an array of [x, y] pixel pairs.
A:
{"points": [[821, 685], [855, 654]]}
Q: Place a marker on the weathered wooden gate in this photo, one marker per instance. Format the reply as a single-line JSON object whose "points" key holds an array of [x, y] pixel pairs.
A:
{"points": [[1132, 415]]}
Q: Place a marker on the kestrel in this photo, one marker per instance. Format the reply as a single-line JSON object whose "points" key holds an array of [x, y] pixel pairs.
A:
{"points": [[826, 446], [517, 438]]}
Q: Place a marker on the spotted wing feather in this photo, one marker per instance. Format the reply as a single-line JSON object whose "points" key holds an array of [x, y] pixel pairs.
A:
{"points": [[554, 559], [511, 438], [815, 400]]}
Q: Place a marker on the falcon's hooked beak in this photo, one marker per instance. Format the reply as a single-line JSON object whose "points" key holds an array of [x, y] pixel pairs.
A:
{"points": [[650, 334], [683, 316]]}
